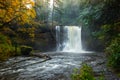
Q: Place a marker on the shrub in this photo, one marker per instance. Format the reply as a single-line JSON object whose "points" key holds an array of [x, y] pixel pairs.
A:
{"points": [[25, 50], [85, 73], [113, 51], [6, 49]]}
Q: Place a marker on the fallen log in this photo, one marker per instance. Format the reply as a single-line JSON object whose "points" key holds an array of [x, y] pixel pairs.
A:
{"points": [[40, 55]]}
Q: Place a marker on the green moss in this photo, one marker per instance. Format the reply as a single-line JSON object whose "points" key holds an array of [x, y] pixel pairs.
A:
{"points": [[5, 47], [118, 74], [26, 50]]}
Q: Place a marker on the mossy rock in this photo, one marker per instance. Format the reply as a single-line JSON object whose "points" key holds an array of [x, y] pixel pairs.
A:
{"points": [[26, 50]]}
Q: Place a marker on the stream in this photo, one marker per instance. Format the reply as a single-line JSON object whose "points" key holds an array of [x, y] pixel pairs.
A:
{"points": [[60, 67]]}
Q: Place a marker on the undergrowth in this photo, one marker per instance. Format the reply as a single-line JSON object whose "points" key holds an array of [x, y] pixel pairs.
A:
{"points": [[6, 48], [85, 73]]}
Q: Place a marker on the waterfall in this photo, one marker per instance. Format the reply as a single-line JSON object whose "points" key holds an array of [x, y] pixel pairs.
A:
{"points": [[58, 38], [71, 41]]}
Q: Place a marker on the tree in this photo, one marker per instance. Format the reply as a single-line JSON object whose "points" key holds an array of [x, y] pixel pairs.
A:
{"points": [[41, 8], [16, 11]]}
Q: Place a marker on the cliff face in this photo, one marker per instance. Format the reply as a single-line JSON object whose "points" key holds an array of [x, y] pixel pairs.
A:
{"points": [[44, 42], [44, 39]]}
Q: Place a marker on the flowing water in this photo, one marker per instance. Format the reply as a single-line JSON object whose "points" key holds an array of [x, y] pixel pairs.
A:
{"points": [[58, 38], [71, 39], [61, 65], [73, 42]]}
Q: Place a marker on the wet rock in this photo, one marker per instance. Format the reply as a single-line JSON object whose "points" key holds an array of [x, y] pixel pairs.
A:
{"points": [[40, 55], [25, 50]]}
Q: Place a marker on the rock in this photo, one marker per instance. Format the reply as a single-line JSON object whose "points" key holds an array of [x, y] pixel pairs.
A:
{"points": [[26, 50], [40, 55]]}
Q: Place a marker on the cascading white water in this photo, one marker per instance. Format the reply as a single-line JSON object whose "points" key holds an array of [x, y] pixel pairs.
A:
{"points": [[71, 41], [58, 38]]}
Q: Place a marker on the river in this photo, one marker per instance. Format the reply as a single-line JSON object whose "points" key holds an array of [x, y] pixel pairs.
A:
{"points": [[60, 67]]}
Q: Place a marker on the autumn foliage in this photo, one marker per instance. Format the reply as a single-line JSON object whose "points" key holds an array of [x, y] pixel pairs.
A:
{"points": [[16, 11], [14, 15]]}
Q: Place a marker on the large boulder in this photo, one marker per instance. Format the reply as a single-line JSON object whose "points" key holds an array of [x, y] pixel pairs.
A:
{"points": [[26, 50]]}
